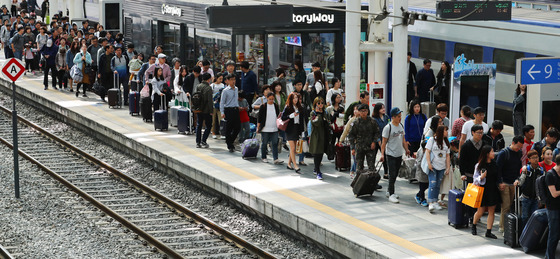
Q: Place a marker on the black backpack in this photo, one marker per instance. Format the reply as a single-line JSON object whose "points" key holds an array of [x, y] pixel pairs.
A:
{"points": [[541, 188], [197, 102]]}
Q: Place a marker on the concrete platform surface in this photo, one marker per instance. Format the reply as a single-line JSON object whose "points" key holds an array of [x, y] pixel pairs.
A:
{"points": [[325, 211]]}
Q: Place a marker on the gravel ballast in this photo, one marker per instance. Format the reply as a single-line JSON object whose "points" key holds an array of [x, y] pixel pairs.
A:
{"points": [[190, 196]]}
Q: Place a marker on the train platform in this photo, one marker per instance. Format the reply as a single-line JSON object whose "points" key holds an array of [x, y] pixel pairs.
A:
{"points": [[325, 211]]}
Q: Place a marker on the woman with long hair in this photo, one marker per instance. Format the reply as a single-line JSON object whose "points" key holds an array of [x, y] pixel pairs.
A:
{"points": [[382, 119], [486, 175], [318, 89], [434, 124], [70, 54], [317, 140], [443, 84], [217, 88], [413, 125], [438, 158], [280, 99], [519, 109], [158, 83], [335, 82], [300, 72], [81, 60], [295, 127]]}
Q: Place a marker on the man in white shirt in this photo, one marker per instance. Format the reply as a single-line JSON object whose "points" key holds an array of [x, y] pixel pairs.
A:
{"points": [[441, 111], [479, 115]]}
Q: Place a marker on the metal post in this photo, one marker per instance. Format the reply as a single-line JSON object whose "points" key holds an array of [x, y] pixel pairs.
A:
{"points": [[352, 68], [400, 41], [15, 140], [381, 34]]}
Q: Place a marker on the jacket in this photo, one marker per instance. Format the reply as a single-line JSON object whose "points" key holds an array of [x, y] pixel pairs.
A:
{"points": [[262, 115], [497, 143], [317, 140], [60, 61], [527, 181], [51, 52], [518, 99], [249, 83], [413, 127], [120, 65], [292, 127], [363, 133], [206, 91], [78, 59], [469, 158], [70, 58], [188, 84], [509, 165], [103, 66]]}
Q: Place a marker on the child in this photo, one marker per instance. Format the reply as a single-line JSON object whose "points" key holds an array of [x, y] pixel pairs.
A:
{"points": [[245, 132], [60, 62], [29, 57], [529, 174]]}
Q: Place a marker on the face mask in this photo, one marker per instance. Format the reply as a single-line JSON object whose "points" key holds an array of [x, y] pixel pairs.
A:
{"points": [[49, 43]]}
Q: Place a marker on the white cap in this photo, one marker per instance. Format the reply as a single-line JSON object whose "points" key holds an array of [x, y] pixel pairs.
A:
{"points": [[161, 55]]}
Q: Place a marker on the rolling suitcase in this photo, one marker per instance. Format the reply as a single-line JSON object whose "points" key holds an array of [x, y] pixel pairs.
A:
{"points": [[535, 233], [365, 182], [160, 117], [250, 148], [134, 103], [146, 108], [173, 119], [512, 224], [429, 108], [343, 157], [222, 127], [457, 211], [184, 120], [114, 94]]}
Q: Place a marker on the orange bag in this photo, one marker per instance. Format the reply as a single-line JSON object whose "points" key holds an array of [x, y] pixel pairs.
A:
{"points": [[473, 196]]}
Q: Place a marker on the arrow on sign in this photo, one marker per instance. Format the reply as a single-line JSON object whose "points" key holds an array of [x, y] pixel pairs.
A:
{"points": [[531, 72]]}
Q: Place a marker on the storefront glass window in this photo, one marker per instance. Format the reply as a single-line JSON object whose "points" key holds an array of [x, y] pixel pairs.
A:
{"points": [[142, 36], [250, 47], [215, 47], [171, 39], [283, 50], [319, 47]]}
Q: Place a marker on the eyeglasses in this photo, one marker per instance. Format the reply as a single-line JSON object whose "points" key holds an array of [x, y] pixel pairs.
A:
{"points": [[479, 132]]}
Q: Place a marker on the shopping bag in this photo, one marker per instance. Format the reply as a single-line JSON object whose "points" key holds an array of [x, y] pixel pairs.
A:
{"points": [[299, 146], [473, 195]]}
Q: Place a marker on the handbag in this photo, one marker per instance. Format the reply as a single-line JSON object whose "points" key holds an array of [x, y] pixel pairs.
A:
{"points": [[88, 69], [145, 92], [282, 125], [408, 163], [76, 74], [473, 195]]}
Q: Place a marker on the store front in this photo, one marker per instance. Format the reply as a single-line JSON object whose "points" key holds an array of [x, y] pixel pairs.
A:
{"points": [[316, 35]]}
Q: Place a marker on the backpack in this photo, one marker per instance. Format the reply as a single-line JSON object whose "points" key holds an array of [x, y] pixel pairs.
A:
{"points": [[197, 102], [541, 189], [217, 98], [529, 168]]}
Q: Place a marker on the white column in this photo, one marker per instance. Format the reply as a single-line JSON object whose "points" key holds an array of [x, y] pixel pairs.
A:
{"points": [[371, 38], [76, 8], [381, 30], [352, 61], [534, 109], [399, 56]]}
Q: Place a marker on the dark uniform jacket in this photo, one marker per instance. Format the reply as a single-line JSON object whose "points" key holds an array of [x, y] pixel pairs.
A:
{"points": [[363, 133]]}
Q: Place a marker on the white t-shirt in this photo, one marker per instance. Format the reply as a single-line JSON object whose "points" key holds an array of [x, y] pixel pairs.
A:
{"points": [[394, 140], [429, 122], [270, 125], [318, 86], [437, 155], [467, 128], [216, 87], [330, 93]]}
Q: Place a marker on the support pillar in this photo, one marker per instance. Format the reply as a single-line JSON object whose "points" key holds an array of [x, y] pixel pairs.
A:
{"points": [[400, 42], [352, 59]]}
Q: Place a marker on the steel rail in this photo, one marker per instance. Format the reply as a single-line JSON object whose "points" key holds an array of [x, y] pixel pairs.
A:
{"points": [[5, 254], [229, 236]]}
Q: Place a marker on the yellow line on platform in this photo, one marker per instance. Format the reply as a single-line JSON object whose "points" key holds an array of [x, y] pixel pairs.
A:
{"points": [[286, 192]]}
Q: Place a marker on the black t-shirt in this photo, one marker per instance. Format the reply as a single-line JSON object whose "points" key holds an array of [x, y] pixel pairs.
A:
{"points": [[552, 179]]}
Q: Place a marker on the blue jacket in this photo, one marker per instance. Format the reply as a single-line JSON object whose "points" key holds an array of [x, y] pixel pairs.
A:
{"points": [[70, 58], [78, 59], [249, 82], [509, 165], [414, 127]]}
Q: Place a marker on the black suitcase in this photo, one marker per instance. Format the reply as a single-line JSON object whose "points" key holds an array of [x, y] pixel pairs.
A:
{"points": [[512, 224], [222, 127], [184, 120], [146, 108], [134, 103], [365, 182], [114, 94], [343, 157], [457, 211], [161, 120], [535, 233]]}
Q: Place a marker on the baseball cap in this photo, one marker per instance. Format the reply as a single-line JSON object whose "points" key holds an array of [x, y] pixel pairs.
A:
{"points": [[161, 55], [395, 111]]}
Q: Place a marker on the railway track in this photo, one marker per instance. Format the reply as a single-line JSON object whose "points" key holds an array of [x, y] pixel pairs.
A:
{"points": [[4, 253], [166, 225]]}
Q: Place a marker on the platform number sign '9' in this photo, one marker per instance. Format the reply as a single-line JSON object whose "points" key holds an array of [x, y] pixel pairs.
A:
{"points": [[13, 69], [540, 71]]}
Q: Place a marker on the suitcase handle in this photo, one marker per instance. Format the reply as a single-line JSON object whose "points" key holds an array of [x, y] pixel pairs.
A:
{"points": [[163, 103], [431, 96], [116, 79]]}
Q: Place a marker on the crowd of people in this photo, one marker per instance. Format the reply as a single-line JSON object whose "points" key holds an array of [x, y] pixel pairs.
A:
{"points": [[315, 114]]}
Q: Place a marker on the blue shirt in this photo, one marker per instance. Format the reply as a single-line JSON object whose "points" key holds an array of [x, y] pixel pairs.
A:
{"points": [[229, 98], [249, 83], [414, 127]]}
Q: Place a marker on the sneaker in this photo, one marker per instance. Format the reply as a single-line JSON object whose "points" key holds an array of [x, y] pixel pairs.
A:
{"points": [[314, 172], [222, 137], [231, 150], [431, 207], [84, 95], [352, 175], [278, 162], [387, 194], [204, 145], [214, 136], [319, 176], [418, 200], [442, 204], [198, 145], [501, 230], [264, 160], [424, 203], [25, 73], [436, 205], [393, 198]]}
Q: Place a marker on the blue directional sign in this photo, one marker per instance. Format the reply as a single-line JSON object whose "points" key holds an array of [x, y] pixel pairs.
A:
{"points": [[540, 71]]}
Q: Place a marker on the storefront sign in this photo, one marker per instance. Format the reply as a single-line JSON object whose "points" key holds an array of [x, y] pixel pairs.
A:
{"points": [[313, 18], [173, 10]]}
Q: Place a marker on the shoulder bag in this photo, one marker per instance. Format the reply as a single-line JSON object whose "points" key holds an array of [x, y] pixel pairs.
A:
{"points": [[282, 125]]}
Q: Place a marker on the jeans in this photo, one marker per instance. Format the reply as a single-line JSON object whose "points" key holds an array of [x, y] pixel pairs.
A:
{"points": [[528, 206], [507, 198], [273, 138], [394, 164], [18, 54], [203, 118], [8, 52], [553, 233], [354, 165], [435, 177]]}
